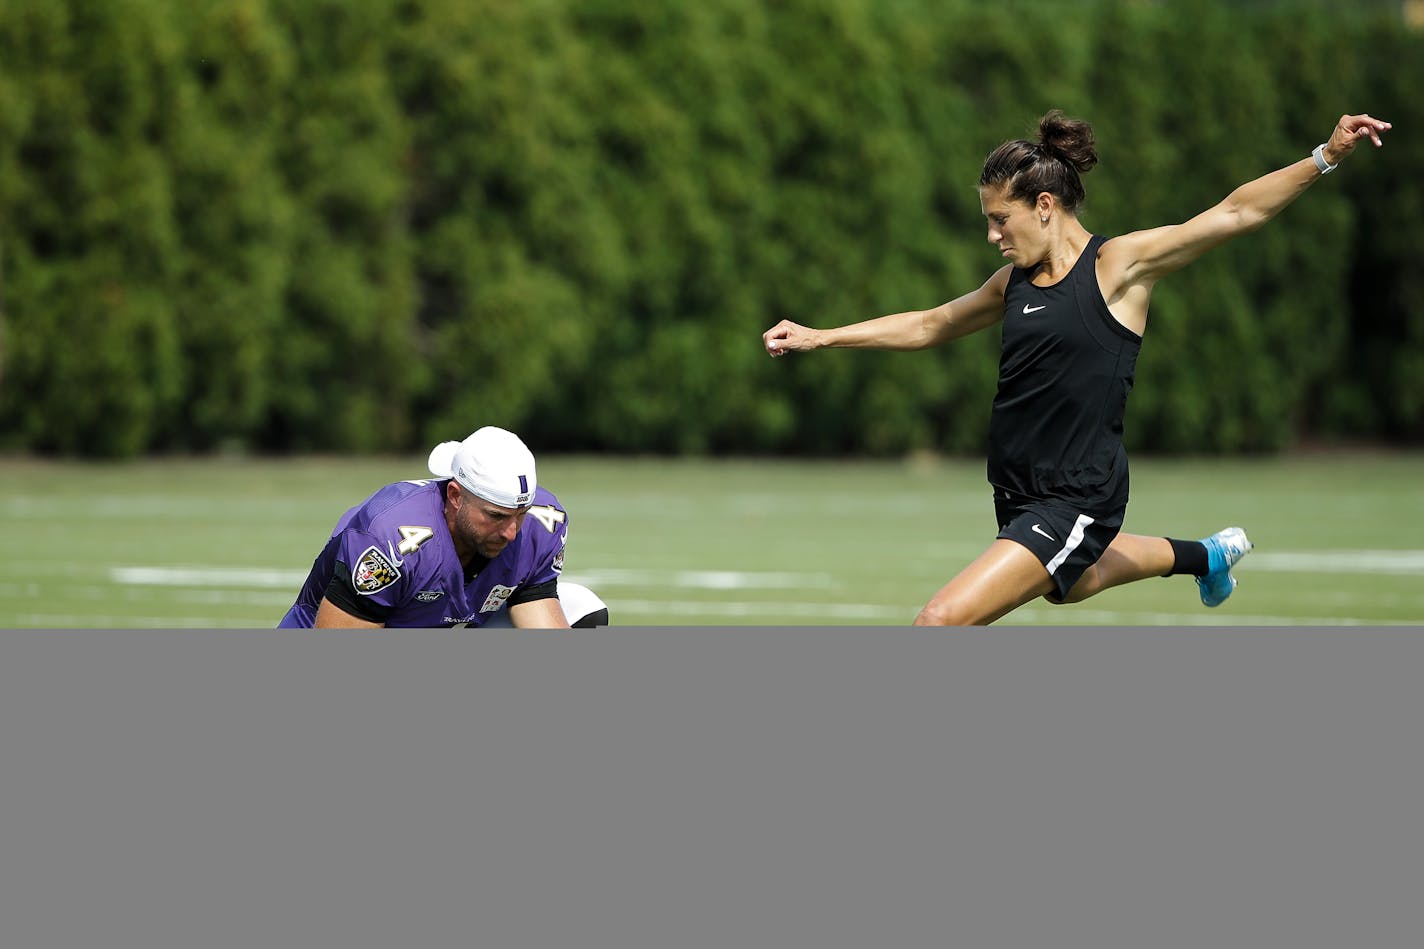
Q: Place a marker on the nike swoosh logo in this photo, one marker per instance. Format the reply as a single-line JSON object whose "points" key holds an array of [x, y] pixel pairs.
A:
{"points": [[1033, 309], [1039, 530], [396, 561]]}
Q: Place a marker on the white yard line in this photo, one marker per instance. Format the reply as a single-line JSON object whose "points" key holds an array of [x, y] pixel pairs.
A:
{"points": [[704, 579], [240, 577], [609, 580], [1077, 616], [102, 621], [208, 577], [1394, 562], [713, 610]]}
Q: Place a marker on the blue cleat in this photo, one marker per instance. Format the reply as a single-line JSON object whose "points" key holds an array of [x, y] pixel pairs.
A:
{"points": [[1224, 550]]}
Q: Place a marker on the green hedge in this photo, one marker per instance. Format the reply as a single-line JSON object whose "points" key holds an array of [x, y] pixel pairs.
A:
{"points": [[371, 224]]}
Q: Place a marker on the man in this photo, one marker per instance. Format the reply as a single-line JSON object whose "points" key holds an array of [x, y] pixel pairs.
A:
{"points": [[482, 545]]}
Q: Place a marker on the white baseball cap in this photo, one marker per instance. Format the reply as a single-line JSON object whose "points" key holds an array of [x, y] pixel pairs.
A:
{"points": [[492, 464]]}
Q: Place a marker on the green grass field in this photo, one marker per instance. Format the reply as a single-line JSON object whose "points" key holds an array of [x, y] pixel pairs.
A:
{"points": [[226, 543]]}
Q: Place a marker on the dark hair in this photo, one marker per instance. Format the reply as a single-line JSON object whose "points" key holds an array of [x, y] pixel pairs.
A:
{"points": [[1065, 150]]}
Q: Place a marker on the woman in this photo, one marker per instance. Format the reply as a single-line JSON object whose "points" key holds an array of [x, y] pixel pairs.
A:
{"points": [[1074, 308]]}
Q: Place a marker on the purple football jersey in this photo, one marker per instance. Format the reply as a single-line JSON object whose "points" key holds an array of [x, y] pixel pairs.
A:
{"points": [[398, 552]]}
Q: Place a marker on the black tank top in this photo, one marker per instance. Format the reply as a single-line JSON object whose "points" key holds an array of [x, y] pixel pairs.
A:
{"points": [[1064, 377]]}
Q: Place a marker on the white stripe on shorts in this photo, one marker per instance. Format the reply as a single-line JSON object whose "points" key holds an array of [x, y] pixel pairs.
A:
{"points": [[1075, 537]]}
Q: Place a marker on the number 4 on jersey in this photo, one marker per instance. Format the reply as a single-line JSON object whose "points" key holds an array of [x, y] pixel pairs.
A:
{"points": [[548, 515], [413, 537]]}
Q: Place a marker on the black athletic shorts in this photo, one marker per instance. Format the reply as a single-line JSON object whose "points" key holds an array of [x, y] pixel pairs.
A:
{"points": [[1065, 541]]}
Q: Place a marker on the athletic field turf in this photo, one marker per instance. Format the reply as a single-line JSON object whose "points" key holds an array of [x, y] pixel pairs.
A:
{"points": [[226, 543]]}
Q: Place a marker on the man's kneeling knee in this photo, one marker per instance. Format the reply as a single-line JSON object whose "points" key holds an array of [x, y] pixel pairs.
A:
{"points": [[583, 608]]}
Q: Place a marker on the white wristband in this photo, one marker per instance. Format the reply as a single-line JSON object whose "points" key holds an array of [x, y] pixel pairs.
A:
{"points": [[1318, 153]]}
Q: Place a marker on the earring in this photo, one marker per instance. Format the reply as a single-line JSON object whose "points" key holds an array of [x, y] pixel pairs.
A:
{"points": [[1045, 219]]}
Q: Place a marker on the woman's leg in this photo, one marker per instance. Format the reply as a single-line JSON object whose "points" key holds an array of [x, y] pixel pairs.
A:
{"points": [[1000, 580], [1129, 557]]}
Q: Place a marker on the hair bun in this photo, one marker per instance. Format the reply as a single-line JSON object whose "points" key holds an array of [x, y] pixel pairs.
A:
{"points": [[1068, 140]]}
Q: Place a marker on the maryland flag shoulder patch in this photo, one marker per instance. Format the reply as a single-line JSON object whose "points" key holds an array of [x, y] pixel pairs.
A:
{"points": [[374, 571]]}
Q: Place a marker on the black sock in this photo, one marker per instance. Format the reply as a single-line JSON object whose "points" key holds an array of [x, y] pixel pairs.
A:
{"points": [[1190, 558]]}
